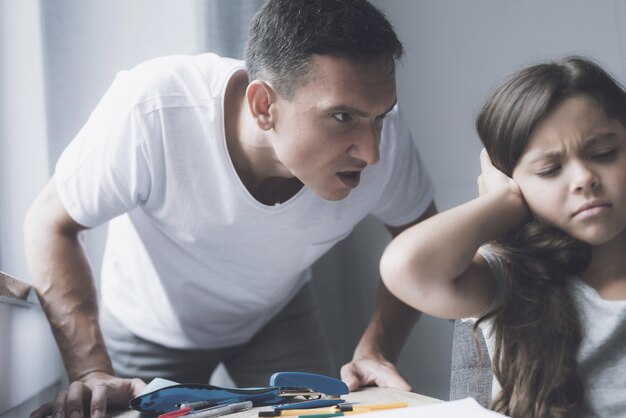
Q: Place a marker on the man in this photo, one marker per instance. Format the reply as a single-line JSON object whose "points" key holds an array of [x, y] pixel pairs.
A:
{"points": [[222, 183]]}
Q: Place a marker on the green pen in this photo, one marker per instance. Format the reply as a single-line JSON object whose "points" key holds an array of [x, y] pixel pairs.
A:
{"points": [[336, 414]]}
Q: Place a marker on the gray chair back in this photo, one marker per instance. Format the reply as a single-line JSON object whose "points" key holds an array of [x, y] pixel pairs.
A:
{"points": [[467, 379]]}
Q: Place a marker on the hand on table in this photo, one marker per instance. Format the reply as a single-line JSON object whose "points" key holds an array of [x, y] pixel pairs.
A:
{"points": [[369, 371], [96, 391]]}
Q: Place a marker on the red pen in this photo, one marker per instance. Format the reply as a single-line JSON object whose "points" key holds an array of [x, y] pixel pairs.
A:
{"points": [[176, 413]]}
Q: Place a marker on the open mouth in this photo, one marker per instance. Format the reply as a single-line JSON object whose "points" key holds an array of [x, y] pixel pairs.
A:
{"points": [[350, 178]]}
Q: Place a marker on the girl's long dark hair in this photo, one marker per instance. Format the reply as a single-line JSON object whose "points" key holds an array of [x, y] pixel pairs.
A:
{"points": [[536, 324]]}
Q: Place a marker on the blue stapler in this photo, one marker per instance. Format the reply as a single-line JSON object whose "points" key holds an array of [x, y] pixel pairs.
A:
{"points": [[318, 390], [286, 390]]}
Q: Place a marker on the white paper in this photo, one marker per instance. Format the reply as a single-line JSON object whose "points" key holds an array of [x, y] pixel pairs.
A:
{"points": [[463, 408], [157, 383]]}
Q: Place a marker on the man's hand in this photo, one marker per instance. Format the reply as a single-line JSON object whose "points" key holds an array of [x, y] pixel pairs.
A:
{"points": [[65, 287], [369, 371], [94, 393], [382, 341]]}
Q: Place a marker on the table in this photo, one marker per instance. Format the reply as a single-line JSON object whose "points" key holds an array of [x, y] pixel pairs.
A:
{"points": [[365, 396]]}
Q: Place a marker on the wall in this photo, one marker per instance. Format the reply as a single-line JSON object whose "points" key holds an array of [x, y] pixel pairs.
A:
{"points": [[23, 150]]}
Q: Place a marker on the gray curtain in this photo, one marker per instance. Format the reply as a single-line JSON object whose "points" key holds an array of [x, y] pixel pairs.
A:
{"points": [[226, 25]]}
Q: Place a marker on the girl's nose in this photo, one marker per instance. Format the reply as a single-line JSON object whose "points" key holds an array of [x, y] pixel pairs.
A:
{"points": [[584, 178]]}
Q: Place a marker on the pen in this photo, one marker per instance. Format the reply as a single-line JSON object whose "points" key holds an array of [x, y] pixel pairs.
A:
{"points": [[375, 407], [197, 404], [217, 411], [345, 409], [335, 414], [176, 413], [298, 412], [317, 414]]}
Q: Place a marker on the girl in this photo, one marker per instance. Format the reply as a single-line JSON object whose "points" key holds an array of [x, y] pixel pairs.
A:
{"points": [[539, 256]]}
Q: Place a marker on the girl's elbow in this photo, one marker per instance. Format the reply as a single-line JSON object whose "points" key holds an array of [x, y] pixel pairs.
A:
{"points": [[400, 276], [391, 268]]}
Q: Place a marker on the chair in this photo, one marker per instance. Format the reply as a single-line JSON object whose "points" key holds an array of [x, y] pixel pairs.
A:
{"points": [[466, 378]]}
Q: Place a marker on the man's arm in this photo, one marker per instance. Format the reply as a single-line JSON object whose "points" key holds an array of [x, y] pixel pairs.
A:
{"points": [[65, 286], [384, 337]]}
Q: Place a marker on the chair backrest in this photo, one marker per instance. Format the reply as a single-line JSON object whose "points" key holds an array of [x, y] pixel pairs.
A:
{"points": [[468, 378]]}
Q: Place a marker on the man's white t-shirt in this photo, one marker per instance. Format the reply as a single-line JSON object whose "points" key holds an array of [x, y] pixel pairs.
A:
{"points": [[192, 260]]}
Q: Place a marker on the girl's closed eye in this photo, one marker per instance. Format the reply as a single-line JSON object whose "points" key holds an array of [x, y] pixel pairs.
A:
{"points": [[549, 171], [605, 155]]}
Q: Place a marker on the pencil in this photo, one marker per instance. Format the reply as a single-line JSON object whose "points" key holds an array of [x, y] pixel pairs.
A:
{"points": [[375, 407]]}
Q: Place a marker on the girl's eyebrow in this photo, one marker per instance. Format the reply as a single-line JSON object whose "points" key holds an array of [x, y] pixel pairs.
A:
{"points": [[606, 136], [589, 143], [550, 155]]}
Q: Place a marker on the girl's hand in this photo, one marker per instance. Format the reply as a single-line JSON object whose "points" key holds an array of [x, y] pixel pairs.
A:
{"points": [[491, 179]]}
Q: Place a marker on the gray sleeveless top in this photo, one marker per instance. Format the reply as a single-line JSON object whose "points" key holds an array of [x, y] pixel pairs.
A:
{"points": [[602, 355]]}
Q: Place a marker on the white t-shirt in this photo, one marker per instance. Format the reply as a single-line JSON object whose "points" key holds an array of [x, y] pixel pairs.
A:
{"points": [[602, 354], [192, 260]]}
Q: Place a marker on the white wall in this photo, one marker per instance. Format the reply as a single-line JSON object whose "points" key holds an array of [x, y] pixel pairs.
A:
{"points": [[23, 149]]}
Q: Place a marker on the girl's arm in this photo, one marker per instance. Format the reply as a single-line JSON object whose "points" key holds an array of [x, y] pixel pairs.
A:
{"points": [[434, 266]]}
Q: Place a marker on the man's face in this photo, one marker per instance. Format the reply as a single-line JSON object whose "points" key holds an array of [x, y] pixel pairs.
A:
{"points": [[329, 132]]}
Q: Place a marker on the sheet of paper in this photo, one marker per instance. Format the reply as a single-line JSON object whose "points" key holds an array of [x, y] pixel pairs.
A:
{"points": [[157, 383], [463, 408]]}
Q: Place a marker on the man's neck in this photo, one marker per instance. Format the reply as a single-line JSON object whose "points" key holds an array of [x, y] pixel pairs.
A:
{"points": [[254, 160], [275, 190]]}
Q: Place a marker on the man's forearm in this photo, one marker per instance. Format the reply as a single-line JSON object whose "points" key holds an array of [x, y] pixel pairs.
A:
{"points": [[64, 283], [388, 329]]}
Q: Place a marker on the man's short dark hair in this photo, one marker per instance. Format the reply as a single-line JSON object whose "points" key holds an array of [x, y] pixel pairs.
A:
{"points": [[284, 35]]}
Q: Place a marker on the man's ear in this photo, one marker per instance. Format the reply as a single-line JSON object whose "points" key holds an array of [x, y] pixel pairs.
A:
{"points": [[261, 97]]}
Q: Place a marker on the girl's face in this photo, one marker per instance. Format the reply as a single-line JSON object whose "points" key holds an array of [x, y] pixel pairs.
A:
{"points": [[573, 171]]}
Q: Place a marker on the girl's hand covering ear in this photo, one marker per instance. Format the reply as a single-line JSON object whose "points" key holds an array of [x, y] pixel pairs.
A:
{"points": [[491, 179]]}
